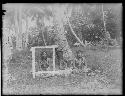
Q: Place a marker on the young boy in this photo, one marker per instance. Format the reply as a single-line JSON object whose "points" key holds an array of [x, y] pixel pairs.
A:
{"points": [[80, 60]]}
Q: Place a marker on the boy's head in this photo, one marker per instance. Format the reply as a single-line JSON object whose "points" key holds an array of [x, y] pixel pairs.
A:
{"points": [[79, 53]]}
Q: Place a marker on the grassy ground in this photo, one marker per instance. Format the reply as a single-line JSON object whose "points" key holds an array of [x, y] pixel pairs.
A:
{"points": [[23, 82]]}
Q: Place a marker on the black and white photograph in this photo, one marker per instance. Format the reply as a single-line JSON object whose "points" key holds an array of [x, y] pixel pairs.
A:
{"points": [[62, 48]]}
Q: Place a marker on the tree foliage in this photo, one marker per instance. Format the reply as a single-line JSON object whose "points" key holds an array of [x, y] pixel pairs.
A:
{"points": [[47, 25]]}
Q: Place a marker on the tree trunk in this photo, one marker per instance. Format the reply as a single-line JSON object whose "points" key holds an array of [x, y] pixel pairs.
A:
{"points": [[75, 35], [62, 41], [78, 39], [107, 34], [26, 37], [18, 26], [43, 38]]}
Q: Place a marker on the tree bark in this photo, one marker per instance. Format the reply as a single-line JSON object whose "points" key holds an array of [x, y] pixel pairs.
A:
{"points": [[75, 34], [18, 26], [62, 41], [43, 38], [107, 34], [77, 38], [26, 37]]}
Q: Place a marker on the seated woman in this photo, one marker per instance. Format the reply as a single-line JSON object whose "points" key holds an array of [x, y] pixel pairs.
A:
{"points": [[44, 64]]}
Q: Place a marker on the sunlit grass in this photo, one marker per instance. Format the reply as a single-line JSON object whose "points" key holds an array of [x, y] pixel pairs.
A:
{"points": [[109, 62]]}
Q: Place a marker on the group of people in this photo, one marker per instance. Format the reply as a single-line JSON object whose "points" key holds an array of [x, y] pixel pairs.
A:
{"points": [[78, 63]]}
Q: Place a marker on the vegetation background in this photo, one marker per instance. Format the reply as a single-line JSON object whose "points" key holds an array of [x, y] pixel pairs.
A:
{"points": [[96, 29]]}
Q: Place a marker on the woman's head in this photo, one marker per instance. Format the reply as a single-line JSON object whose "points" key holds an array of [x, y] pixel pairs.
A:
{"points": [[79, 53]]}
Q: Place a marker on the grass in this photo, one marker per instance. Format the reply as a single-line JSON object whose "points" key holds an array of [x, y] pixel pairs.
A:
{"points": [[110, 62]]}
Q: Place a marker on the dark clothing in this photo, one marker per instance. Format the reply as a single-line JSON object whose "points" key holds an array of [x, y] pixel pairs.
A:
{"points": [[77, 65], [43, 58], [44, 65], [59, 57], [80, 63]]}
